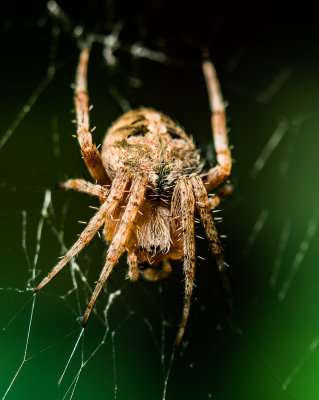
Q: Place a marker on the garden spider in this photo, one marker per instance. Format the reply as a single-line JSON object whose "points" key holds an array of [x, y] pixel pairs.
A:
{"points": [[148, 180]]}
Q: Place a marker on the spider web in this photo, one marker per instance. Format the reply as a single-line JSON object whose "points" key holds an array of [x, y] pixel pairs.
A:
{"points": [[268, 348]]}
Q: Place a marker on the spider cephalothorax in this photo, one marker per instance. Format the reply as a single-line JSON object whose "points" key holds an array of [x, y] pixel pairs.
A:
{"points": [[147, 179]]}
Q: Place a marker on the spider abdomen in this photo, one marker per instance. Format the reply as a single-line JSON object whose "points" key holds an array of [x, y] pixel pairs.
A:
{"points": [[147, 140]]}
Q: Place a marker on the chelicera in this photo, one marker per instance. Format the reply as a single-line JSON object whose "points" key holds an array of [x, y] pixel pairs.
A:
{"points": [[149, 180]]}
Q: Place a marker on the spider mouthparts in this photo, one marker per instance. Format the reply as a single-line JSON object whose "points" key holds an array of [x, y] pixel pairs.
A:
{"points": [[143, 266]]}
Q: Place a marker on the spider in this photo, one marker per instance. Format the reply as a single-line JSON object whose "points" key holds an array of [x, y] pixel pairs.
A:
{"points": [[148, 180]]}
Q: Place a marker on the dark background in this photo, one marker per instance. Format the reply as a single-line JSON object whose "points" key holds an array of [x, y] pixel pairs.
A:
{"points": [[268, 348]]}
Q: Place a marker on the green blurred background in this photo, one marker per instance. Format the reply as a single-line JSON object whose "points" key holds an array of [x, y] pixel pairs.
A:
{"points": [[267, 61]]}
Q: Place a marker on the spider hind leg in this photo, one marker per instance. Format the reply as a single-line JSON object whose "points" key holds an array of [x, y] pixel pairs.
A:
{"points": [[90, 153], [221, 171]]}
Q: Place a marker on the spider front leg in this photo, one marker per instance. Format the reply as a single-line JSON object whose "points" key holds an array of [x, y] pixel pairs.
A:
{"points": [[217, 174], [202, 204], [118, 245], [90, 153], [117, 193], [183, 204]]}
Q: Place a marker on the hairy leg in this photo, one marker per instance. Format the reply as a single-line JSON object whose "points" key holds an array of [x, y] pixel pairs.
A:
{"points": [[90, 153], [183, 204], [202, 204], [83, 186], [121, 237], [221, 171], [116, 194]]}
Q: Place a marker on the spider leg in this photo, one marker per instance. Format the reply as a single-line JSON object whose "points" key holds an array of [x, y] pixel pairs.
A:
{"points": [[217, 174], [116, 194], [83, 186], [121, 237], [183, 204], [202, 204], [90, 153]]}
